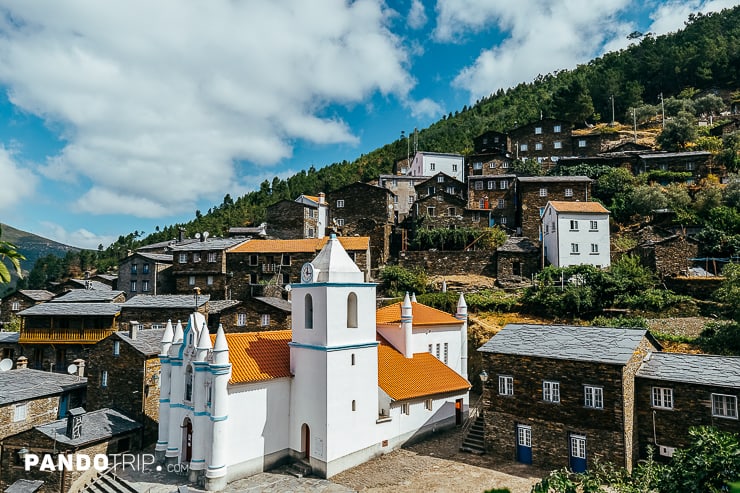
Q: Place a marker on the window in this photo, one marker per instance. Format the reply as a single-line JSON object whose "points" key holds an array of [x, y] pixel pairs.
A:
{"points": [[340, 204], [451, 211], [538, 146], [189, 383], [253, 259], [505, 385], [543, 192], [573, 225], [252, 278], [196, 256], [593, 397], [437, 351], [593, 226], [476, 217], [524, 436], [352, 359], [285, 259], [582, 143], [352, 311], [454, 167], [478, 165], [183, 258], [574, 248], [191, 280], [395, 199], [116, 348], [537, 130], [241, 319], [501, 203], [431, 348], [308, 311], [724, 406], [568, 192], [354, 405], [20, 412], [550, 391], [340, 222], [503, 220], [690, 166], [503, 184], [578, 446], [491, 184], [209, 280], [450, 190], [133, 286], [445, 353], [557, 144], [432, 166], [663, 397], [405, 408], [431, 211], [265, 320], [595, 248], [547, 229], [440, 179], [428, 404], [411, 199], [479, 185], [15, 306], [505, 164], [523, 147], [556, 129], [104, 378], [553, 226], [134, 268], [212, 256]]}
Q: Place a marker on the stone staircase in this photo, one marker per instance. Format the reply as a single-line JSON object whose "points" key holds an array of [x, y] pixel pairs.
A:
{"points": [[108, 482], [474, 437], [299, 469]]}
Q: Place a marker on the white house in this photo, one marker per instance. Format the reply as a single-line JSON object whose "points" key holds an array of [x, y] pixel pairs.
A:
{"points": [[431, 163], [576, 233], [346, 384], [321, 211]]}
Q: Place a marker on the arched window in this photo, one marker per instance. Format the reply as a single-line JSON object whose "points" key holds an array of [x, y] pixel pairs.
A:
{"points": [[352, 310], [309, 312], [189, 383]]}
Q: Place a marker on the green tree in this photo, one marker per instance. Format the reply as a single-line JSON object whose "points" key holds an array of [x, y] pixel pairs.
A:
{"points": [[646, 198], [710, 104], [530, 167], [8, 253], [573, 102], [678, 132], [729, 291]]}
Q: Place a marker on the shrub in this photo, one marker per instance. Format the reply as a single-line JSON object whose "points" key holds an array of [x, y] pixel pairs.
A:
{"points": [[620, 321], [398, 280]]}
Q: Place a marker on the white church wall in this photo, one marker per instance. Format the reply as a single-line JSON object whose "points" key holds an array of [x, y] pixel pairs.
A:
{"points": [[438, 336], [308, 399]]}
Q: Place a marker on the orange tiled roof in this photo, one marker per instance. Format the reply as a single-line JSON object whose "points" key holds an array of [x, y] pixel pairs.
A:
{"points": [[407, 378], [257, 356], [311, 197], [303, 245], [565, 206], [423, 315]]}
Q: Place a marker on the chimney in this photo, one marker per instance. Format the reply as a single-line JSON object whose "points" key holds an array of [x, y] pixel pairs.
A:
{"points": [[133, 330], [322, 198], [21, 362], [74, 422], [181, 235], [80, 367]]}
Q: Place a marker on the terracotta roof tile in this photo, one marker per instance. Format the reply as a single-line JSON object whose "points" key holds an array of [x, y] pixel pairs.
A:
{"points": [[423, 315], [258, 356], [423, 375], [315, 199], [564, 206], [304, 245]]}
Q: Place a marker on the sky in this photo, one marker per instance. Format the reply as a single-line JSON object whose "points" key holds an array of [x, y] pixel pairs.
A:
{"points": [[122, 116]]}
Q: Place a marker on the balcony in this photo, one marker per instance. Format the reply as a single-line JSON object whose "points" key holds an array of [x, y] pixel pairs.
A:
{"points": [[64, 336], [270, 268]]}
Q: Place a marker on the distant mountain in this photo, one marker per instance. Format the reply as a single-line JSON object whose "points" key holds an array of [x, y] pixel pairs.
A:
{"points": [[32, 247]]}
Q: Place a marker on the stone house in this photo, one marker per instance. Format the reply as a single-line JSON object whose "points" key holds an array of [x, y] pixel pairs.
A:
{"points": [[534, 192], [104, 431], [489, 163], [431, 163], [109, 279], [153, 312], [16, 302], [440, 183], [576, 233], [492, 142], [53, 335], [146, 273], [32, 397], [90, 296], [441, 210], [360, 209], [563, 396], [726, 128], [9, 346], [517, 261], [585, 143], [70, 284], [541, 140], [403, 188], [202, 265], [698, 163], [123, 374], [260, 264], [665, 253], [676, 391], [494, 197], [258, 313], [248, 231], [304, 217]]}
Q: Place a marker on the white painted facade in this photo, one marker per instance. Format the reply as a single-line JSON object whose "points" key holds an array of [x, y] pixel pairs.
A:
{"points": [[431, 163], [330, 411], [575, 237], [321, 210]]}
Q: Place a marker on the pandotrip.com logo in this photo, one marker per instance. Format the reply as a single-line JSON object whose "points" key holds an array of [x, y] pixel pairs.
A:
{"points": [[99, 462]]}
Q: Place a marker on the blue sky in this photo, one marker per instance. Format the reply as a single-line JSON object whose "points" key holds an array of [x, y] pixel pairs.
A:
{"points": [[120, 117]]}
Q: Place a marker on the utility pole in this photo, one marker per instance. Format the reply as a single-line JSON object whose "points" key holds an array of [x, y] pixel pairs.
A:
{"points": [[634, 122], [612, 98], [662, 110]]}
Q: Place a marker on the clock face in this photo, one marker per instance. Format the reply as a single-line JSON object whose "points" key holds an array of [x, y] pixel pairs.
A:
{"points": [[307, 272]]}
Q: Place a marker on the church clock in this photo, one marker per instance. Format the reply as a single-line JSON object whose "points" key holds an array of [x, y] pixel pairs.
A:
{"points": [[307, 273]]}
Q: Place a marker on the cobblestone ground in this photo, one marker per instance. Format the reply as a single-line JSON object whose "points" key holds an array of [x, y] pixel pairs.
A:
{"points": [[437, 465]]}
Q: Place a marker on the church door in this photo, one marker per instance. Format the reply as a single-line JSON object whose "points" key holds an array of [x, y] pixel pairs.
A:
{"points": [[187, 429], [306, 440]]}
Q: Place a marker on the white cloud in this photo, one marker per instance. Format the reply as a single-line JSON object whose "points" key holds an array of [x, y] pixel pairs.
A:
{"points": [[16, 183], [670, 16], [417, 16], [159, 100], [425, 108], [540, 36], [80, 238]]}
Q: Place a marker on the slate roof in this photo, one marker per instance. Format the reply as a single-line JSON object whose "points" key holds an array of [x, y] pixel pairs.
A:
{"points": [[97, 426], [701, 369], [592, 344], [663, 155], [422, 315], [518, 244], [87, 296], [209, 244], [217, 306], [73, 309], [25, 486], [422, 375], [107, 277], [156, 257], [83, 283], [37, 294], [553, 179], [9, 337], [166, 301], [147, 342], [577, 206], [26, 384], [304, 245], [278, 303]]}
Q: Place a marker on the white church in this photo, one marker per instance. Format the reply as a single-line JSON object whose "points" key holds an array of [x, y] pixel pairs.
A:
{"points": [[346, 384]]}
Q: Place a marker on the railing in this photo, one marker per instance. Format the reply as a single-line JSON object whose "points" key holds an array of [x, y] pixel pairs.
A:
{"points": [[270, 267], [64, 336], [474, 411]]}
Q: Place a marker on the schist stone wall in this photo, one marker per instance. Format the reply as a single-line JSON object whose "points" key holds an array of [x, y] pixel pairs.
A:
{"points": [[452, 262], [285, 220], [534, 195]]}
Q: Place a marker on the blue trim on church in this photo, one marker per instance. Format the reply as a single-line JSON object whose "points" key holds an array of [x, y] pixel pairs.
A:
{"points": [[333, 348], [334, 285]]}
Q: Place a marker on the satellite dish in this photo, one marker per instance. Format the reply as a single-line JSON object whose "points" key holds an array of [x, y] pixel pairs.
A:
{"points": [[206, 234], [72, 369], [197, 236], [6, 364], [288, 288]]}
